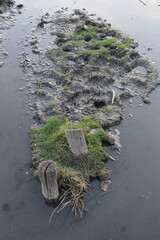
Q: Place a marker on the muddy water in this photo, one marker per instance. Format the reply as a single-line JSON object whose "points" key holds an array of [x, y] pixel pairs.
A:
{"points": [[131, 210]]}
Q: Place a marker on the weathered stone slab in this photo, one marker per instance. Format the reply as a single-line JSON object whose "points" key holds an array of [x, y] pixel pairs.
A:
{"points": [[48, 179], [77, 141]]}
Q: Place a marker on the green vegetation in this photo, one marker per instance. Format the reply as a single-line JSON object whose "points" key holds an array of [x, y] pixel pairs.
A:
{"points": [[125, 44], [50, 142], [55, 107], [127, 41], [121, 47], [108, 109], [62, 58], [90, 52], [56, 52], [77, 43], [50, 51], [109, 42], [1, 10], [66, 88], [107, 70], [86, 33], [80, 22]]}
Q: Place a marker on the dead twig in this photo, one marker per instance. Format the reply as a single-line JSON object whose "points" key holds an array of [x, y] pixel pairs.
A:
{"points": [[63, 199], [142, 2], [63, 206]]}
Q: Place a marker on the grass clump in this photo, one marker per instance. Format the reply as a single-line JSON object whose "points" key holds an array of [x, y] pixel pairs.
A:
{"points": [[66, 88], [86, 33], [50, 51], [109, 42], [107, 70], [108, 109], [80, 22], [1, 10], [91, 52], [127, 41], [50, 142], [122, 49], [55, 107], [56, 52], [77, 43]]}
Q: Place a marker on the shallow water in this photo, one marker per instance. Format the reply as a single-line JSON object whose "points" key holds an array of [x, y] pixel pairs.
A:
{"points": [[131, 210]]}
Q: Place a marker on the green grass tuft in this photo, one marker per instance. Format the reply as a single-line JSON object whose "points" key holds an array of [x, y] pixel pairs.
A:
{"points": [[1, 10], [91, 52], [108, 109], [50, 142], [109, 42], [127, 41], [77, 43], [107, 70], [87, 33], [66, 88], [80, 22], [73, 174]]}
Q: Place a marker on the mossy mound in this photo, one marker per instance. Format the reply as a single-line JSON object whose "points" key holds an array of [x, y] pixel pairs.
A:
{"points": [[93, 71], [74, 173]]}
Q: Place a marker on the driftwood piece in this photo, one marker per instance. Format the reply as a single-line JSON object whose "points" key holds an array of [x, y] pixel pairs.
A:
{"points": [[77, 141], [48, 179]]}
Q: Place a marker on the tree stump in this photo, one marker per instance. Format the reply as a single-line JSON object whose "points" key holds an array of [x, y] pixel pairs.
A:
{"points": [[48, 179], [77, 141]]}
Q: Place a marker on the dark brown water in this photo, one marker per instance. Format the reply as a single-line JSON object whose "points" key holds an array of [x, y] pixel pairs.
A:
{"points": [[131, 211]]}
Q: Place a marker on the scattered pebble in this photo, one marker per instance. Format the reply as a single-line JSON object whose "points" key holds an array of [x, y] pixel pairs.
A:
{"points": [[1, 64]]}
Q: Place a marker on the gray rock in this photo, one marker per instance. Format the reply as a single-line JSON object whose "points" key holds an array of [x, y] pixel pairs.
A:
{"points": [[146, 99], [20, 6], [1, 64], [79, 12], [68, 47], [35, 50]]}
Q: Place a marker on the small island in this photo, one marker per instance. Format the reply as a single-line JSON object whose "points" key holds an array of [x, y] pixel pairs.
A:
{"points": [[92, 69]]}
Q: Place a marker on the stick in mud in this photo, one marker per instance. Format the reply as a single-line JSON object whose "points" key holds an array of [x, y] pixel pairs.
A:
{"points": [[142, 2]]}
